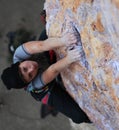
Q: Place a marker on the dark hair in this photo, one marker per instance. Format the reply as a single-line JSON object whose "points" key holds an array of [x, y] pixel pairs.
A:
{"points": [[11, 77]]}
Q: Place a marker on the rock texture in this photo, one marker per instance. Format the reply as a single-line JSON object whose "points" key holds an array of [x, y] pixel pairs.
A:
{"points": [[94, 80]]}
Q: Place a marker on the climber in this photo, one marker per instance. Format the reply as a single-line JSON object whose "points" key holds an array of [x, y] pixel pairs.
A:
{"points": [[25, 73]]}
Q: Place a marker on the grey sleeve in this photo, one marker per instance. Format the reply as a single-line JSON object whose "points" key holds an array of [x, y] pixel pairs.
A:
{"points": [[37, 82], [20, 54]]}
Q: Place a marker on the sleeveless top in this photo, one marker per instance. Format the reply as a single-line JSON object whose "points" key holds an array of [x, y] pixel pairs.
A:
{"points": [[36, 87]]}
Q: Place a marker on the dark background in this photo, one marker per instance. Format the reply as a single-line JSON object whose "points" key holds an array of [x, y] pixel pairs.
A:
{"points": [[18, 110]]}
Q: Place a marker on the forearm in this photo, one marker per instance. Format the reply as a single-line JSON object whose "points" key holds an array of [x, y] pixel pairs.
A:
{"points": [[60, 65], [52, 43], [33, 47], [51, 73]]}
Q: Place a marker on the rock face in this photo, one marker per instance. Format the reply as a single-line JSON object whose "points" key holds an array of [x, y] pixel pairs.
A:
{"points": [[94, 80]]}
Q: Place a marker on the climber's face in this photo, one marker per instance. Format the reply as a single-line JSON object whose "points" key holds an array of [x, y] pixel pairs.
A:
{"points": [[28, 70]]}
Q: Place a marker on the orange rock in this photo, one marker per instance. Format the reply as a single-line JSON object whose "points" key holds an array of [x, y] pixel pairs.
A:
{"points": [[93, 81]]}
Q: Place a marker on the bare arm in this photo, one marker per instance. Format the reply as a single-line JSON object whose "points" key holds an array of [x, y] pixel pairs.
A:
{"points": [[55, 69], [33, 47]]}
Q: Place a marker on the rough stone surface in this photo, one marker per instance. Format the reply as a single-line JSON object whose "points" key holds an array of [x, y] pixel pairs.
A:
{"points": [[18, 110], [94, 80]]}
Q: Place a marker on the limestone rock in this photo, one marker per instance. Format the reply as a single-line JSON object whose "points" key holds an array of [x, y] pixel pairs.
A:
{"points": [[94, 80]]}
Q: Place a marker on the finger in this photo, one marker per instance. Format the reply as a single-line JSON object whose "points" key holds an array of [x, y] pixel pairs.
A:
{"points": [[72, 52], [73, 40], [77, 54], [75, 50]]}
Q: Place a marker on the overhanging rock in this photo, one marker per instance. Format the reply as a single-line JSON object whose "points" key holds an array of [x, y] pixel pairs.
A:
{"points": [[94, 80]]}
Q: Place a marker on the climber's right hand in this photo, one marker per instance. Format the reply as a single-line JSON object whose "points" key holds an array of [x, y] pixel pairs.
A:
{"points": [[73, 55]]}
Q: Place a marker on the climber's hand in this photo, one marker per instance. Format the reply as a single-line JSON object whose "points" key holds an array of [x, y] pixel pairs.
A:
{"points": [[73, 55], [68, 38]]}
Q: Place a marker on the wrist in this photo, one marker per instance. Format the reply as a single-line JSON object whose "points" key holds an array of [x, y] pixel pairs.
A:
{"points": [[54, 42], [62, 41], [67, 61], [59, 41]]}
